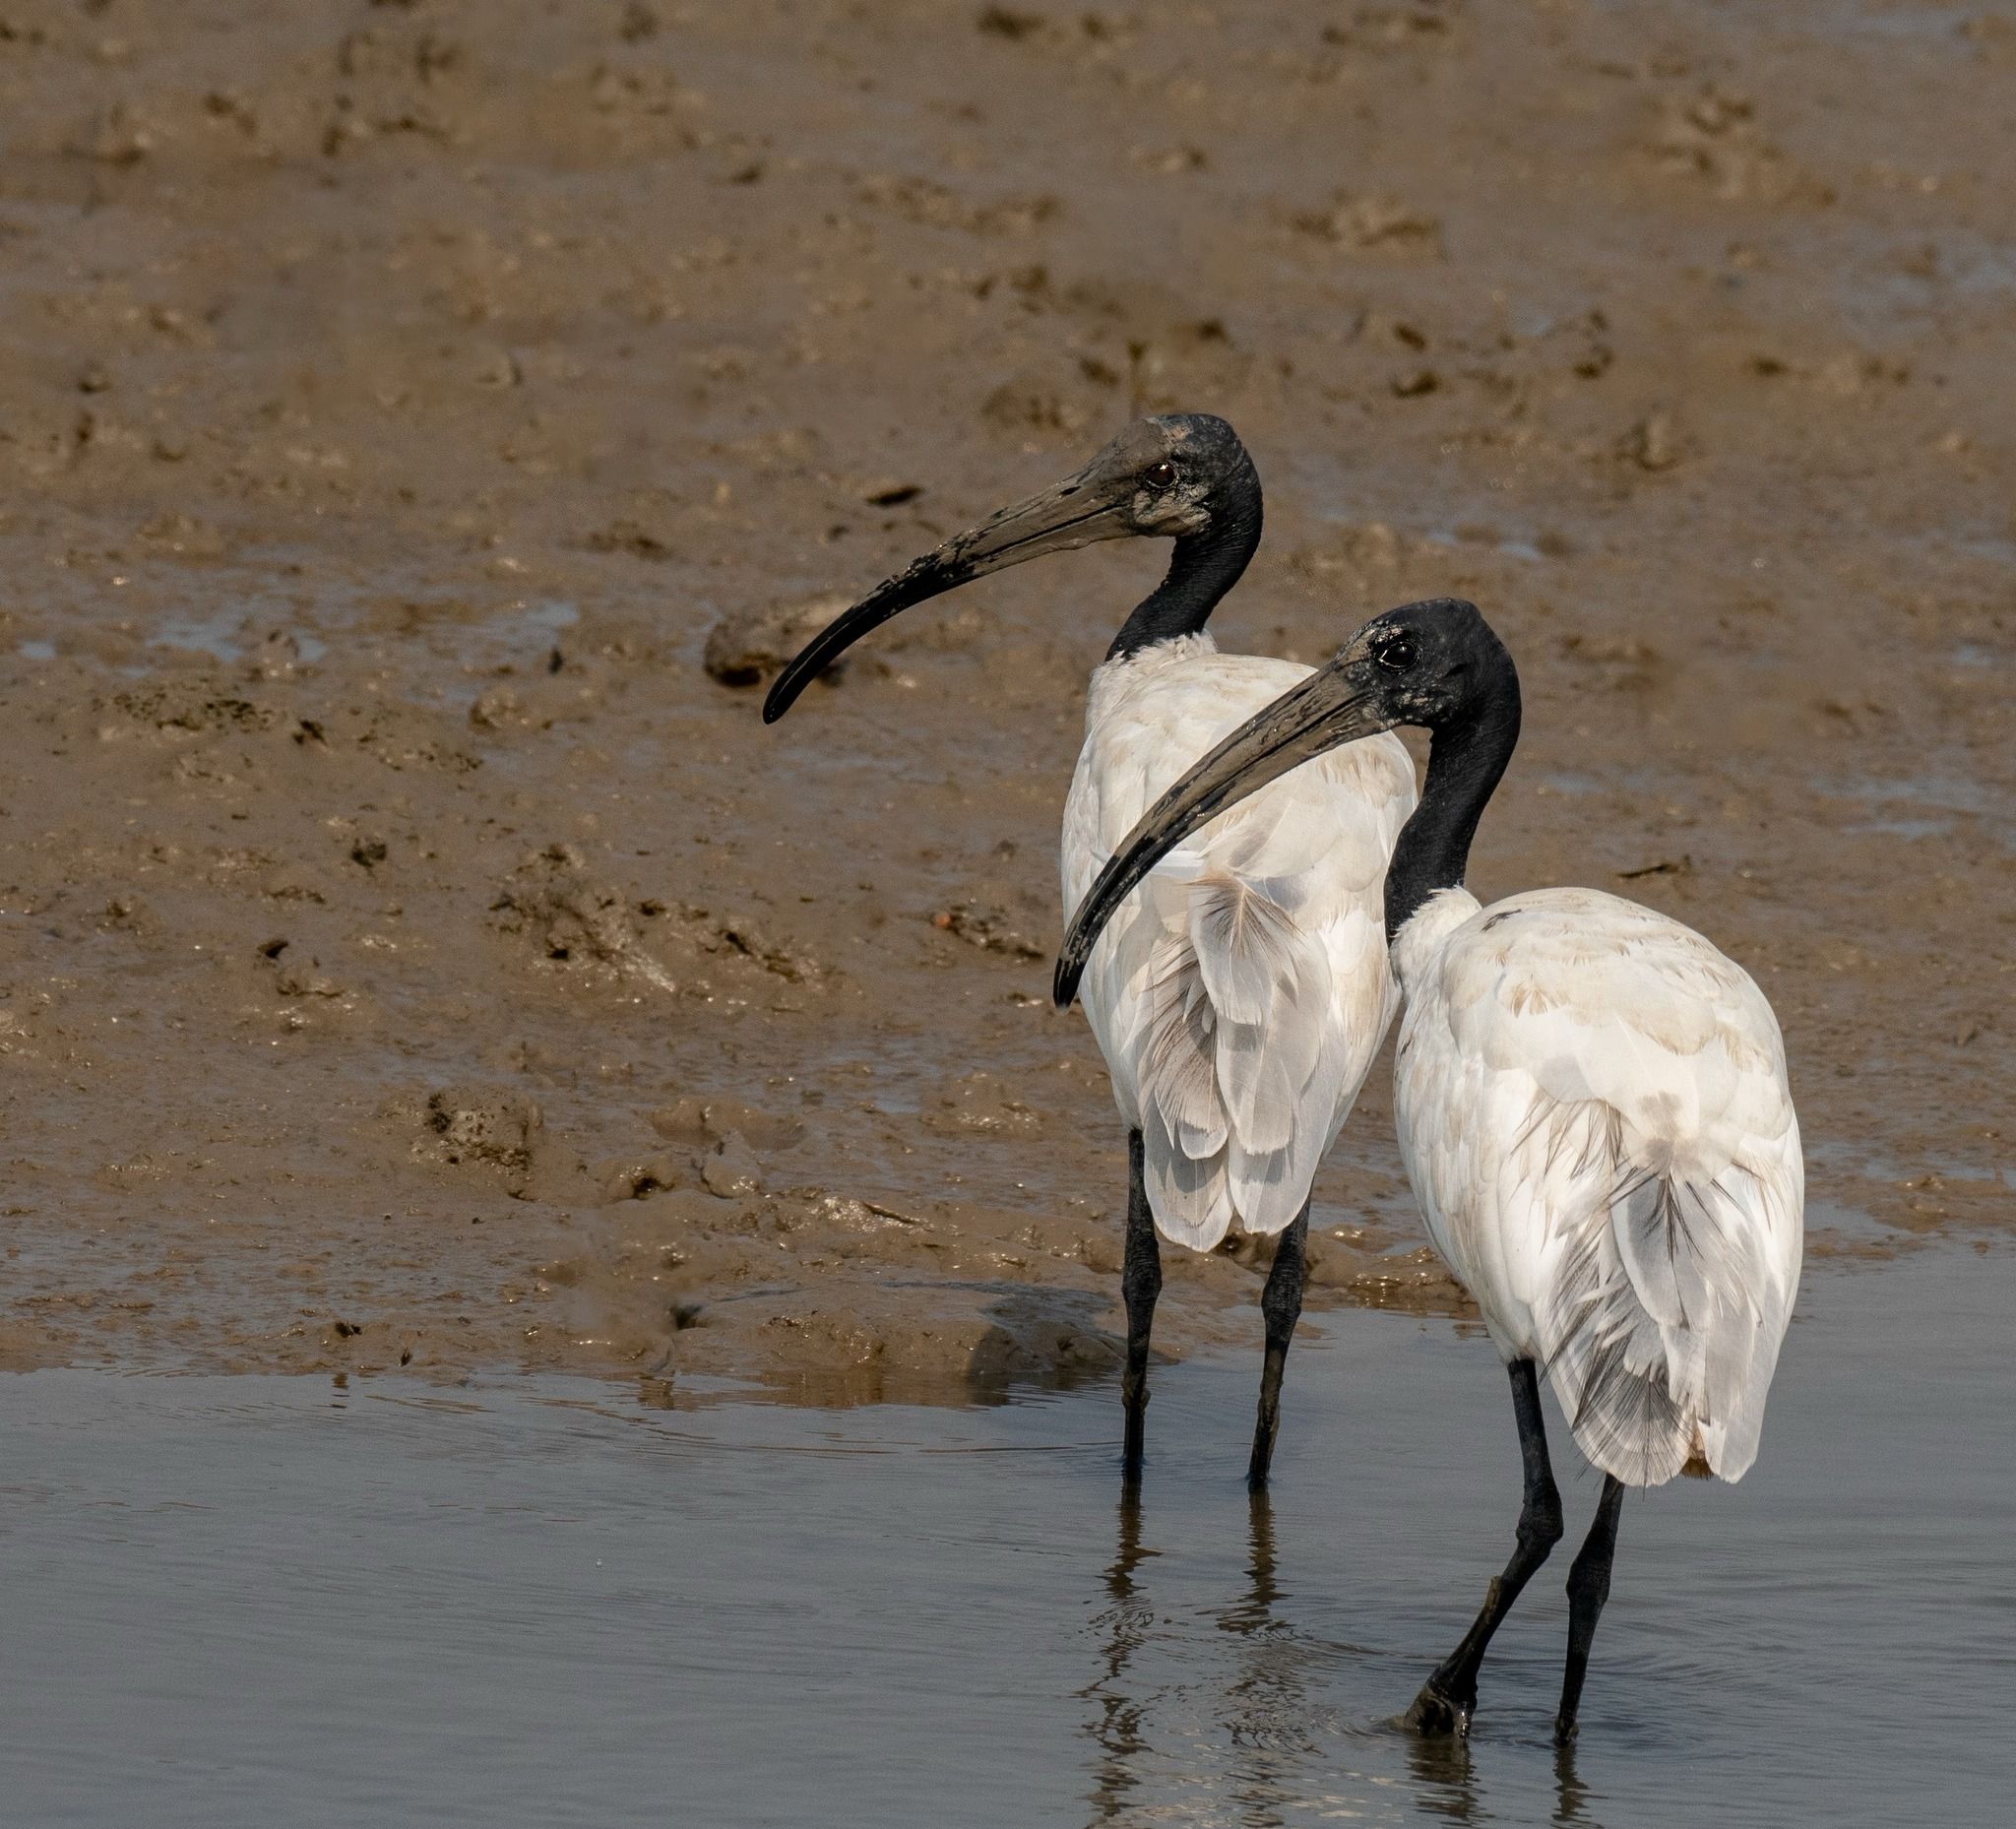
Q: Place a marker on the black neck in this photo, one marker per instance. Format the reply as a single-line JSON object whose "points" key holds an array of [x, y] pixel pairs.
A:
{"points": [[1465, 759], [1203, 568]]}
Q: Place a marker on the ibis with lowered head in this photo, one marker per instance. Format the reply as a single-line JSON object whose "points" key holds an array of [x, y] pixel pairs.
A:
{"points": [[1240, 992], [1592, 1104]]}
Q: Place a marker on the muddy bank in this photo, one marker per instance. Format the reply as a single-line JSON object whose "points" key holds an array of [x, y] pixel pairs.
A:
{"points": [[413, 953]]}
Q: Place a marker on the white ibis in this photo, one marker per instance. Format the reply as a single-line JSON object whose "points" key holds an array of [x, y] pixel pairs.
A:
{"points": [[1592, 1107], [1245, 990]]}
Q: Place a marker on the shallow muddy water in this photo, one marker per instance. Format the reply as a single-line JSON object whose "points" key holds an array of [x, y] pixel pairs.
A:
{"points": [[262, 1599]]}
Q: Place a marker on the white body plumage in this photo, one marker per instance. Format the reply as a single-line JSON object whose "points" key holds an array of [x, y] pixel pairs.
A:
{"points": [[1242, 991], [1593, 1109]]}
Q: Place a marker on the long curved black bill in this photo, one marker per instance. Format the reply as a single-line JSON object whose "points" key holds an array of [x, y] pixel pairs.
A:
{"points": [[1086, 507], [1325, 711]]}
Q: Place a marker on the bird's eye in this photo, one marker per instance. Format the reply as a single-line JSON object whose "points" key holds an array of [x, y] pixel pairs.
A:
{"points": [[1396, 654], [1160, 475]]}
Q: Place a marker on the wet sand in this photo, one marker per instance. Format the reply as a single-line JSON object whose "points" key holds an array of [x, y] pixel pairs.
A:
{"points": [[414, 955], [256, 1600]]}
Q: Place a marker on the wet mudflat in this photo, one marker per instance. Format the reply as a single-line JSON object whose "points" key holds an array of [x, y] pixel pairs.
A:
{"points": [[256, 1600], [415, 420]]}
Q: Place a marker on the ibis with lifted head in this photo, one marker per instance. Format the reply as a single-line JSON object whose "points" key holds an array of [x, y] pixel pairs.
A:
{"points": [[1592, 1106], [1242, 991]]}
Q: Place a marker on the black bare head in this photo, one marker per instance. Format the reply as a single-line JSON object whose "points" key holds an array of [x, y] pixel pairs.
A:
{"points": [[1183, 476], [1191, 473], [1436, 665]]}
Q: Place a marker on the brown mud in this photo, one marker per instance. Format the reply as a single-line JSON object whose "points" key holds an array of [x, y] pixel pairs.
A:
{"points": [[422, 423]]}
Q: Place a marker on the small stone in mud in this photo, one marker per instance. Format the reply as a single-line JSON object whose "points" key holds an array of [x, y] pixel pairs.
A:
{"points": [[730, 1168], [747, 646], [494, 708], [1652, 444], [276, 656], [117, 139]]}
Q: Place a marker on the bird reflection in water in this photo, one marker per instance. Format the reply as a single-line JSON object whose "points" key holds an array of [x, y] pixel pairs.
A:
{"points": [[1445, 1785], [1264, 1708], [1570, 1793], [1124, 1624], [1268, 1717]]}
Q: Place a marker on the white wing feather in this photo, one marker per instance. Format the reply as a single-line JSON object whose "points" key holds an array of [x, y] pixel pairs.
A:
{"points": [[1594, 1112], [1240, 992]]}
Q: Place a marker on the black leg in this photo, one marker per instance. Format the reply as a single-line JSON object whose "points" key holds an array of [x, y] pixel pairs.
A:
{"points": [[1449, 1696], [1139, 1285], [1589, 1587], [1282, 1305]]}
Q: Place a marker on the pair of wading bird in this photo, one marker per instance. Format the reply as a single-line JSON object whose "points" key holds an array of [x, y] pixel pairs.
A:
{"points": [[1591, 1100]]}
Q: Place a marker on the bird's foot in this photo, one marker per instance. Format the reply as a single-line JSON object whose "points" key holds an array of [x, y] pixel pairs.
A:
{"points": [[1436, 1712], [1566, 1727]]}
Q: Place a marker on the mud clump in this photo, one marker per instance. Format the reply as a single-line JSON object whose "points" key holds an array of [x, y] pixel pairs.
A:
{"points": [[750, 646], [566, 919], [704, 1118], [991, 929], [979, 1102], [574, 921], [481, 1136], [730, 1168], [497, 1129]]}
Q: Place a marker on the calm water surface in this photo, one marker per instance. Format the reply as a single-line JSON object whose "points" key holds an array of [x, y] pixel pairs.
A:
{"points": [[264, 1602]]}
